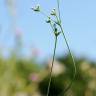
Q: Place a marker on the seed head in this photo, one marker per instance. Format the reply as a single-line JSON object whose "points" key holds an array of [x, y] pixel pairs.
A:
{"points": [[48, 20], [53, 12], [36, 8], [56, 33]]}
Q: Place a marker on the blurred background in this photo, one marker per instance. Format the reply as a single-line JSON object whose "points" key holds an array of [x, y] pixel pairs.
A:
{"points": [[26, 48]]}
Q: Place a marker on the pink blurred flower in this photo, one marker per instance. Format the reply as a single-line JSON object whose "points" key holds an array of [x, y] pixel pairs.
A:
{"points": [[34, 77]]}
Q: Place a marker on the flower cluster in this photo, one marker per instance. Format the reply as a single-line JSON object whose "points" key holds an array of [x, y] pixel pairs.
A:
{"points": [[49, 20], [57, 29]]}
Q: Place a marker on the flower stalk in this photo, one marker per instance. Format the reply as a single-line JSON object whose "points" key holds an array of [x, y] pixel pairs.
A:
{"points": [[57, 31], [73, 60], [50, 75]]}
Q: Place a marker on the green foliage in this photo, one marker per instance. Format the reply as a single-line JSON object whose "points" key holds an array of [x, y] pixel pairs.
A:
{"points": [[56, 86], [80, 86], [15, 77]]}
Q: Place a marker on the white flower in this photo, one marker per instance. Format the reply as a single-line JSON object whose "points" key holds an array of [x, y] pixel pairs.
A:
{"points": [[36, 8], [48, 20], [53, 12]]}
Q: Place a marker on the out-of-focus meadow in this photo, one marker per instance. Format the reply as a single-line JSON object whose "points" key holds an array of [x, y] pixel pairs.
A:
{"points": [[24, 77], [21, 75]]}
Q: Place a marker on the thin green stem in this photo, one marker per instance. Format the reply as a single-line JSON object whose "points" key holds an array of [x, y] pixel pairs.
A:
{"points": [[74, 75], [57, 19], [51, 26], [58, 4], [50, 76], [46, 16]]}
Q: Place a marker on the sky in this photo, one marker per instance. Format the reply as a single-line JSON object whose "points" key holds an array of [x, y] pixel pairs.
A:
{"points": [[78, 19]]}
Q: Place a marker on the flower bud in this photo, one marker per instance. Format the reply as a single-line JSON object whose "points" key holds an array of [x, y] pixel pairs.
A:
{"points": [[48, 20], [53, 12], [36, 8], [56, 33]]}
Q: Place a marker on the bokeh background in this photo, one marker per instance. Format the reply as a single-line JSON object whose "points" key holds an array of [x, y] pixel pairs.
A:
{"points": [[26, 48]]}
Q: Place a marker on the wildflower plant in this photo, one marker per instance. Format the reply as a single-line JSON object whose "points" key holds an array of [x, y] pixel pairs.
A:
{"points": [[57, 28]]}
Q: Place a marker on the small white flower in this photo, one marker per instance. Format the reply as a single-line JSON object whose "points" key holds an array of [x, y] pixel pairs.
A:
{"points": [[36, 8], [48, 20], [53, 12]]}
